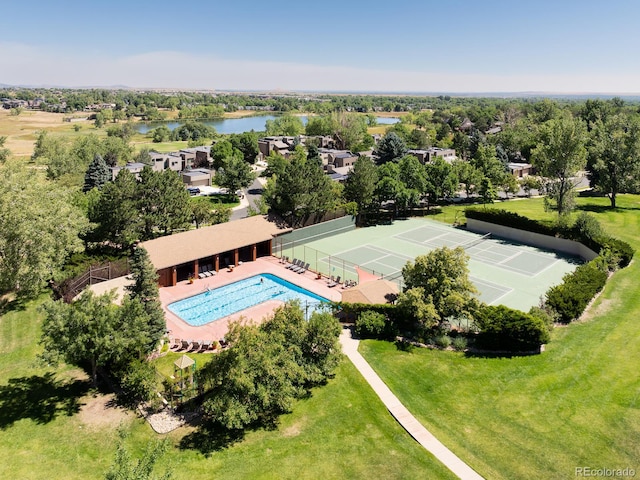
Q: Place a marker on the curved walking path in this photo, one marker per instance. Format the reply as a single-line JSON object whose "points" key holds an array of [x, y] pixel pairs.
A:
{"points": [[401, 414]]}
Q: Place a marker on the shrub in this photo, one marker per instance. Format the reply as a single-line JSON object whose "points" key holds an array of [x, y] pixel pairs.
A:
{"points": [[571, 297], [442, 341], [502, 328], [370, 324], [459, 343]]}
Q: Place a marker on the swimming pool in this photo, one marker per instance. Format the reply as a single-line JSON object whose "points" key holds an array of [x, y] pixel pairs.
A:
{"points": [[217, 303]]}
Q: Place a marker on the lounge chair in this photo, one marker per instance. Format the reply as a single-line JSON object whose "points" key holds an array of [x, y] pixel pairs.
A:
{"points": [[333, 284], [185, 344], [303, 269], [206, 345], [292, 264], [201, 275], [175, 344], [195, 346]]}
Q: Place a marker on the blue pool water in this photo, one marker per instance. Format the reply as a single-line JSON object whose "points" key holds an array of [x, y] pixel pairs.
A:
{"points": [[219, 302]]}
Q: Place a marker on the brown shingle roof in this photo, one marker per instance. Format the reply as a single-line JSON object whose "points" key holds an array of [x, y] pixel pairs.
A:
{"points": [[204, 242], [375, 292]]}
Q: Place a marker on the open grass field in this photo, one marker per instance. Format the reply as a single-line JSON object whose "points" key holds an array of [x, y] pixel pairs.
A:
{"points": [[578, 404], [53, 426], [22, 130]]}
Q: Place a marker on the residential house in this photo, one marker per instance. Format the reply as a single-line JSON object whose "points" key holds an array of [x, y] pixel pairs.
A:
{"points": [[134, 168], [430, 154], [198, 177], [521, 170]]}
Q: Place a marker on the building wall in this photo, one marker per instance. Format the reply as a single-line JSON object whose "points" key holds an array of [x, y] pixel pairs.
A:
{"points": [[531, 238]]}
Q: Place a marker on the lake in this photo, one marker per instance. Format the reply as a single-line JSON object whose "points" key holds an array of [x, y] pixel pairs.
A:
{"points": [[238, 125]]}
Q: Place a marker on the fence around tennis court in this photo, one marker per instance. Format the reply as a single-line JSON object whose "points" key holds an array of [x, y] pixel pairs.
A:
{"points": [[292, 246]]}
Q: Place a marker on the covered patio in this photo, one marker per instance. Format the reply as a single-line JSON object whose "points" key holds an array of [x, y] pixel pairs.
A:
{"points": [[189, 254]]}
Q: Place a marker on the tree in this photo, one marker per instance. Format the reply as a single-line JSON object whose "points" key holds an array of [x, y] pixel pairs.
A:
{"points": [[97, 174], [615, 156], [468, 175], [173, 210], [269, 367], [487, 191], [39, 229], [509, 184], [116, 150], [247, 143], [236, 174], [124, 467], [559, 155], [390, 147], [193, 131], [161, 134], [441, 181], [350, 131], [89, 331], [200, 213], [251, 383], [529, 183], [221, 151], [301, 191], [443, 277], [117, 212], [288, 125], [360, 184], [486, 161], [144, 291], [4, 152]]}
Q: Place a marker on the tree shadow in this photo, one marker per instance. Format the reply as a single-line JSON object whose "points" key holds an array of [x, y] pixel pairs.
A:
{"points": [[12, 305], [40, 398], [604, 208], [211, 437]]}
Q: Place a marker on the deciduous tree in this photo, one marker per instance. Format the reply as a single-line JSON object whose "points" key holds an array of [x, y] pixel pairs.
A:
{"points": [[560, 154], [360, 184], [615, 156], [443, 277], [39, 229]]}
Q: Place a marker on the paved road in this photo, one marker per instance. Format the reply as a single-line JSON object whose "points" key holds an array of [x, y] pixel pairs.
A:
{"points": [[250, 195], [402, 415]]}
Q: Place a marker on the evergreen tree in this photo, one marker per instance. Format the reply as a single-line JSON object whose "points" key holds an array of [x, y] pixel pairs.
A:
{"points": [[391, 147], [97, 174], [145, 291]]}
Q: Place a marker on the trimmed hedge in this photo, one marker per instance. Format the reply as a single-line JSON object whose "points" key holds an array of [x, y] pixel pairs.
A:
{"points": [[570, 298], [503, 328]]}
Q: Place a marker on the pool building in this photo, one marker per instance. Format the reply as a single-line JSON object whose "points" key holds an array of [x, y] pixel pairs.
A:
{"points": [[188, 254]]}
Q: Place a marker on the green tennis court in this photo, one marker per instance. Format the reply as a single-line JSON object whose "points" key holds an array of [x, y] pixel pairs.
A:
{"points": [[504, 272]]}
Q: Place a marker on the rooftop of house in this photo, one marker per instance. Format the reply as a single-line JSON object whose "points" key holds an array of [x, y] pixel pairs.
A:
{"points": [[204, 242]]}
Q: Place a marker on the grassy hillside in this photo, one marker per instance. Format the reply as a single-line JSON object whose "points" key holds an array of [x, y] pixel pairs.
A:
{"points": [[578, 404], [53, 426]]}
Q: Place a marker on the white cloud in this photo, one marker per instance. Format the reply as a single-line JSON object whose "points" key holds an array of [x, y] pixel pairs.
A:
{"points": [[34, 65]]}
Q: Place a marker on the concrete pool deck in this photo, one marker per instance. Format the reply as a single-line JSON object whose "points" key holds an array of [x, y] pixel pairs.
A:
{"points": [[217, 329]]}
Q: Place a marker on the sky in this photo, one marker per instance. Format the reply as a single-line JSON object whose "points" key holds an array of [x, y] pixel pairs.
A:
{"points": [[452, 46]]}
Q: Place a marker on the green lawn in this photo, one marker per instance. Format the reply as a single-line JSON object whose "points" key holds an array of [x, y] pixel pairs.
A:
{"points": [[578, 404], [341, 431]]}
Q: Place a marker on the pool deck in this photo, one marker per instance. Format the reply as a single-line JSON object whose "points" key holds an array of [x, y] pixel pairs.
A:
{"points": [[179, 329]]}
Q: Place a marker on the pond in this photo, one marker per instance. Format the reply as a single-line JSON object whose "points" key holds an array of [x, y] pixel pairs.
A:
{"points": [[238, 125]]}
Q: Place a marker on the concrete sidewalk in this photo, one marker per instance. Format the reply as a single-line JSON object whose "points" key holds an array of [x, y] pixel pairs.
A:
{"points": [[401, 414]]}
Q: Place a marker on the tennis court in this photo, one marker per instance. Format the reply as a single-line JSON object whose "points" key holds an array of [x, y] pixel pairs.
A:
{"points": [[504, 272]]}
